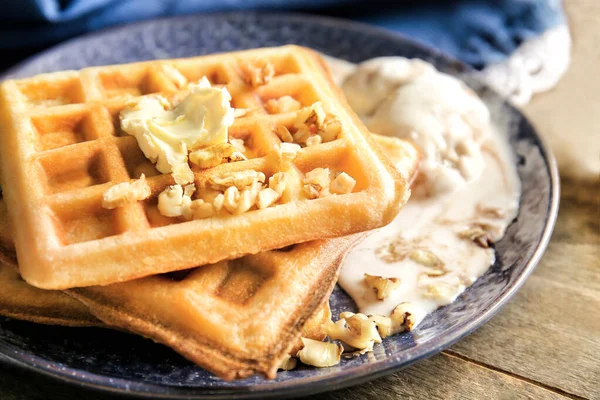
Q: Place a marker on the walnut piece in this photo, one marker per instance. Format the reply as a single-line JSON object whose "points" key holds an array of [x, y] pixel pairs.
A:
{"points": [[126, 192], [284, 134], [478, 235], [239, 179], [355, 330], [174, 199], [319, 354], [342, 184], [426, 258], [288, 363], [282, 105], [313, 121], [211, 156], [182, 174], [258, 73], [382, 286], [402, 318]]}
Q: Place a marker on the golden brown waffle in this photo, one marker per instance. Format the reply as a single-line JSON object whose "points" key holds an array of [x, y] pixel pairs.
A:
{"points": [[233, 318], [62, 147], [22, 301]]}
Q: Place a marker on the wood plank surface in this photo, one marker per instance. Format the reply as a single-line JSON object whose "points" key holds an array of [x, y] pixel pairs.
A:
{"points": [[445, 377]]}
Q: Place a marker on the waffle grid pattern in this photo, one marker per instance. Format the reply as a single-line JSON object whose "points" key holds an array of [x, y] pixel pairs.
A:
{"points": [[66, 131]]}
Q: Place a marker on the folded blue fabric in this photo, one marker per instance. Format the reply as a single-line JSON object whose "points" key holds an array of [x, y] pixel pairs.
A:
{"points": [[476, 31]]}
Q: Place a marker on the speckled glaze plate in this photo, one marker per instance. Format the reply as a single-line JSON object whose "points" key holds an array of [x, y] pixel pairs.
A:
{"points": [[127, 364]]}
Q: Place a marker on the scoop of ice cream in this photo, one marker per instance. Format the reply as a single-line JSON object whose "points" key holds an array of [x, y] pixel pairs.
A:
{"points": [[374, 80], [410, 99]]}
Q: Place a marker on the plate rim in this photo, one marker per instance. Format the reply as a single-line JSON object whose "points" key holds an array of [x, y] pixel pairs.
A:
{"points": [[341, 379]]}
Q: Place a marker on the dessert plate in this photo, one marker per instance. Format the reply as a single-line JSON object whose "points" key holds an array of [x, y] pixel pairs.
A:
{"points": [[121, 363]]}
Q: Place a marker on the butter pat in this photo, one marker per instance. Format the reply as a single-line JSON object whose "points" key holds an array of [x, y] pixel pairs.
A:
{"points": [[166, 134]]}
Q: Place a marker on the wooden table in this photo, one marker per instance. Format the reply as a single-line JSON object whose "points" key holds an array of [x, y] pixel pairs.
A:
{"points": [[545, 344]]}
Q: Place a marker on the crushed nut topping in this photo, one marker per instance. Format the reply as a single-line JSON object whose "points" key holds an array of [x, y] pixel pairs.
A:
{"points": [[239, 179], [212, 156], [126, 192], [490, 212], [478, 234], [313, 141], [316, 183], [266, 198], [174, 199], [278, 182], [288, 363], [382, 286], [426, 258], [182, 174], [342, 184], [258, 73], [313, 121], [355, 330], [238, 144], [282, 105], [320, 354], [444, 292], [284, 134], [403, 318]]}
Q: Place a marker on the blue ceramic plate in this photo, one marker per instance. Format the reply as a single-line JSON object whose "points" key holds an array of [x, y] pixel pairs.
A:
{"points": [[118, 362]]}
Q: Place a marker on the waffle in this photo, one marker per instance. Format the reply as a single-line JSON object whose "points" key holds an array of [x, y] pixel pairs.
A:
{"points": [[62, 148]]}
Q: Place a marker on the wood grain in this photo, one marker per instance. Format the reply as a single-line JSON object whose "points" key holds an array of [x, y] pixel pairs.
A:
{"points": [[445, 377]]}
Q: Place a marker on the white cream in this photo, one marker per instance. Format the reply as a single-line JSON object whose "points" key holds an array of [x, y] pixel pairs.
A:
{"points": [[410, 99]]}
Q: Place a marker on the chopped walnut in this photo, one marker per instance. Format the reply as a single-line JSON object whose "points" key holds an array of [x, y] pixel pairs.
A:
{"points": [[382, 286], [267, 197], [478, 235], [284, 134], [425, 258], [211, 156], [198, 209], [313, 141], [403, 318], [355, 330], [239, 179], [288, 363], [316, 183], [126, 192], [278, 182], [182, 174], [342, 184], [383, 323], [287, 154], [313, 121], [237, 202], [174, 199], [444, 292], [218, 202], [319, 354], [258, 73], [238, 144], [311, 115], [282, 105], [331, 129], [490, 212]]}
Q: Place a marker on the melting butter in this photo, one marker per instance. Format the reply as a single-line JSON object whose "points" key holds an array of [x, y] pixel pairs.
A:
{"points": [[167, 134]]}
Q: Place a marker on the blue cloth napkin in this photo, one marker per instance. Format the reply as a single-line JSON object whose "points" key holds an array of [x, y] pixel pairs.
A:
{"points": [[478, 32]]}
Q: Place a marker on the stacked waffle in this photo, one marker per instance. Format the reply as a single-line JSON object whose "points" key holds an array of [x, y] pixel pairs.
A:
{"points": [[232, 290]]}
